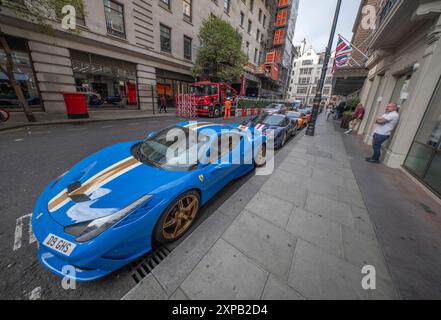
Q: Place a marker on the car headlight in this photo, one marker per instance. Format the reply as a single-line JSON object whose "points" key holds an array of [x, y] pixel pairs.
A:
{"points": [[88, 230]]}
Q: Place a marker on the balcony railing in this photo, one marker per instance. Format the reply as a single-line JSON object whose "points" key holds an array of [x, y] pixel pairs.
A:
{"points": [[385, 11]]}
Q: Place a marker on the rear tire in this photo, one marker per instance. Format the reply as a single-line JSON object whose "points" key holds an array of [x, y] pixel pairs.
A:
{"points": [[285, 138]]}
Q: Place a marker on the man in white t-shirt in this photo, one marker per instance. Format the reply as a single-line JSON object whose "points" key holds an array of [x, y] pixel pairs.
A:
{"points": [[385, 125]]}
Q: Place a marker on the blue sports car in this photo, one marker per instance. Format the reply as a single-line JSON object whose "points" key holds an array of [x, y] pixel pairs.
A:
{"points": [[282, 126], [113, 206]]}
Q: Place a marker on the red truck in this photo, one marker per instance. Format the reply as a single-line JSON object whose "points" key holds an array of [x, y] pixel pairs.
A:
{"points": [[211, 97]]}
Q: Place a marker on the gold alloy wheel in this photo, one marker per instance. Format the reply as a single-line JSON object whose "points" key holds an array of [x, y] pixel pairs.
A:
{"points": [[180, 217]]}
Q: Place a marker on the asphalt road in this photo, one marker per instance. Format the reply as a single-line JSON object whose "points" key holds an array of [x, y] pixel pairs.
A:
{"points": [[29, 159]]}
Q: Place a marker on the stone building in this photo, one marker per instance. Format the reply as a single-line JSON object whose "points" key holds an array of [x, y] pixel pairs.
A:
{"points": [[135, 49], [405, 67], [306, 73]]}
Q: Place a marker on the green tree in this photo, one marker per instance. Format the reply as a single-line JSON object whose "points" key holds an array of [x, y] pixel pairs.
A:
{"points": [[220, 56], [44, 14]]}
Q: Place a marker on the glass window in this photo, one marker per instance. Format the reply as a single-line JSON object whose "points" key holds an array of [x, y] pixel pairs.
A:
{"points": [[242, 18], [251, 5], [424, 158], [264, 21], [260, 15], [165, 2], [250, 25], [227, 6], [187, 9], [114, 18], [187, 48], [106, 82], [23, 73], [165, 38]]}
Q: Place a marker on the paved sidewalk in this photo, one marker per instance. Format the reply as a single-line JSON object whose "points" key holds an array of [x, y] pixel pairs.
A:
{"points": [[18, 119], [306, 234]]}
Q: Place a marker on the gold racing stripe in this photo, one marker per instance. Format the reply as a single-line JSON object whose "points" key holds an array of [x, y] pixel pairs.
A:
{"points": [[96, 182]]}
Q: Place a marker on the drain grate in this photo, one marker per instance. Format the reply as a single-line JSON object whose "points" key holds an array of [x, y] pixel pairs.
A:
{"points": [[140, 268]]}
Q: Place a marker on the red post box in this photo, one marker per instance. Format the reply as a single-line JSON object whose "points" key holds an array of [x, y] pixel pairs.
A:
{"points": [[76, 105]]}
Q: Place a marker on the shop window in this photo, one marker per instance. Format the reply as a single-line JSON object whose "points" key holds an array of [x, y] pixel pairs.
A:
{"points": [[114, 18], [23, 73], [107, 82], [401, 91], [424, 158], [165, 38]]}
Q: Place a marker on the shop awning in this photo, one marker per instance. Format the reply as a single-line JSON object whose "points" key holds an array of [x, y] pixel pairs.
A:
{"points": [[348, 80]]}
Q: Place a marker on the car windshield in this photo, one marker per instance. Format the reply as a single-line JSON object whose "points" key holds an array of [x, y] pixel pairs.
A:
{"points": [[203, 90], [274, 106], [271, 120], [293, 114], [172, 149]]}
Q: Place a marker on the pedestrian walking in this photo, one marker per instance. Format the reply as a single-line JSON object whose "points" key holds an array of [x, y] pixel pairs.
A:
{"points": [[339, 110], [329, 111], [385, 125], [357, 117], [228, 106], [163, 104]]}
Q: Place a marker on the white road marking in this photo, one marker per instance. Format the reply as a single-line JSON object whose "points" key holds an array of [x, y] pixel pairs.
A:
{"points": [[134, 124], [76, 129], [109, 126], [35, 294], [17, 140], [19, 231]]}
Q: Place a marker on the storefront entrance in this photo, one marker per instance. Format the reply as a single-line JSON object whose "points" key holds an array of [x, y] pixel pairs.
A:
{"points": [[107, 83], [424, 158], [171, 84], [23, 73]]}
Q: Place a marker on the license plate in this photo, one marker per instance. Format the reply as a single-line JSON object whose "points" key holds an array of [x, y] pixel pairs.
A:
{"points": [[59, 244]]}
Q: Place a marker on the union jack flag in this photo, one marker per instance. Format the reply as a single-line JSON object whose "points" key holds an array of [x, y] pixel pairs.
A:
{"points": [[342, 54]]}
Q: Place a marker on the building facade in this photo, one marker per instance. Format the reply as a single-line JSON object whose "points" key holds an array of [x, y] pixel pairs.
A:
{"points": [[349, 80], [405, 67], [126, 52], [276, 68], [305, 76]]}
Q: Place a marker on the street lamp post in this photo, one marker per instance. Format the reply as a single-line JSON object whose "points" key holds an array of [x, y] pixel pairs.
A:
{"points": [[318, 97]]}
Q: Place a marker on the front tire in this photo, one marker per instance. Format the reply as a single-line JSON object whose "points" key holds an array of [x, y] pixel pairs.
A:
{"points": [[177, 218], [260, 157]]}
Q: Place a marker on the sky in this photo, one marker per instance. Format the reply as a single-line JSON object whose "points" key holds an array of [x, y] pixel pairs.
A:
{"points": [[315, 21]]}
